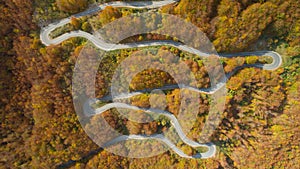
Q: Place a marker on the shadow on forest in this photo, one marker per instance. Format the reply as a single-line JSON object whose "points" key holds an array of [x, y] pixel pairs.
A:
{"points": [[84, 159]]}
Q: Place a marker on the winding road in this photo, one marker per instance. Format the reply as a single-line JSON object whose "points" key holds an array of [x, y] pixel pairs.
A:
{"points": [[211, 148], [45, 38]]}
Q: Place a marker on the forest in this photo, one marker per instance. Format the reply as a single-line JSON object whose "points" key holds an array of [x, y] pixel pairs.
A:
{"points": [[260, 126]]}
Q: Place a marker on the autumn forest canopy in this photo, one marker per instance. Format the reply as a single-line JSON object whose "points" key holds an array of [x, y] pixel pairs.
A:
{"points": [[260, 126]]}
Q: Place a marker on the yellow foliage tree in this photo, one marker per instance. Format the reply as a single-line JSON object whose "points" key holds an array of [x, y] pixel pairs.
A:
{"points": [[71, 6]]}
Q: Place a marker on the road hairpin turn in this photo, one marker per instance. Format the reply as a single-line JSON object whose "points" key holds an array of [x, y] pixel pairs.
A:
{"points": [[116, 97]]}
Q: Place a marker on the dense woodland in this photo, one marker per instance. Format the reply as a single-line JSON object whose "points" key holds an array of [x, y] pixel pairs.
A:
{"points": [[260, 126]]}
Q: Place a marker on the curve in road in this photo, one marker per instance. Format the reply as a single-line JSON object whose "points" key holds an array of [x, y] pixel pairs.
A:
{"points": [[45, 38], [211, 148]]}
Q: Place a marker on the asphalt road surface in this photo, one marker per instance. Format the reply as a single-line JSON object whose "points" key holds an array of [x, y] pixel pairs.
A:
{"points": [[45, 38]]}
